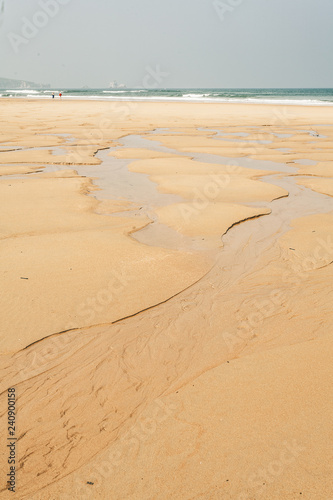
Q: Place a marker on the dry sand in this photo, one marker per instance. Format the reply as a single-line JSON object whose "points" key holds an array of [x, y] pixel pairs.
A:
{"points": [[153, 369]]}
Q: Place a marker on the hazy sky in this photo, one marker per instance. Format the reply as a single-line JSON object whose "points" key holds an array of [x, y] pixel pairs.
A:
{"points": [[195, 43]]}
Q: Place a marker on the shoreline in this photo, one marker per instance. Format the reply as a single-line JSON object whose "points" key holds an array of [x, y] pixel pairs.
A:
{"points": [[272, 102]]}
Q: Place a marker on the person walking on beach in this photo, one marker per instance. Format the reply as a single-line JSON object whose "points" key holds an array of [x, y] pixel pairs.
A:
{"points": [[52, 95], [60, 94]]}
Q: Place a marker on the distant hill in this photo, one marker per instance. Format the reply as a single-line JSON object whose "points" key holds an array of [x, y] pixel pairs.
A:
{"points": [[6, 83]]}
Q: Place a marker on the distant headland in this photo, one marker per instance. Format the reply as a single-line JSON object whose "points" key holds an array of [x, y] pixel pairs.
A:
{"points": [[6, 83]]}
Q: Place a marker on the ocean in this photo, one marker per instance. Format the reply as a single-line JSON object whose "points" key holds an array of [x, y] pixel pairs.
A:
{"points": [[269, 96]]}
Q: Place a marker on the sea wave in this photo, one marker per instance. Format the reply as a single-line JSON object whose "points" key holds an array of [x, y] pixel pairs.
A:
{"points": [[156, 98], [300, 97]]}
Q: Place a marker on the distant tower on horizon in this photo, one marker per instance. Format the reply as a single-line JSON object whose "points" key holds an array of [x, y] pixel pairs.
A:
{"points": [[116, 85]]}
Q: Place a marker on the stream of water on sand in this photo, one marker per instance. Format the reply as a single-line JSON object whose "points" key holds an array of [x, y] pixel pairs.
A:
{"points": [[115, 181]]}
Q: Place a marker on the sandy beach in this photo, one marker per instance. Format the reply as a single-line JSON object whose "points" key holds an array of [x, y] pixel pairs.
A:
{"points": [[166, 299]]}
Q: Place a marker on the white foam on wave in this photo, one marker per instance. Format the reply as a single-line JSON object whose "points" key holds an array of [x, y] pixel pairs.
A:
{"points": [[290, 102], [123, 91], [30, 91], [195, 96], [114, 95], [293, 102]]}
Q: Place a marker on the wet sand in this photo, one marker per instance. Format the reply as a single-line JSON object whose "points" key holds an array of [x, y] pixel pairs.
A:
{"points": [[166, 282]]}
